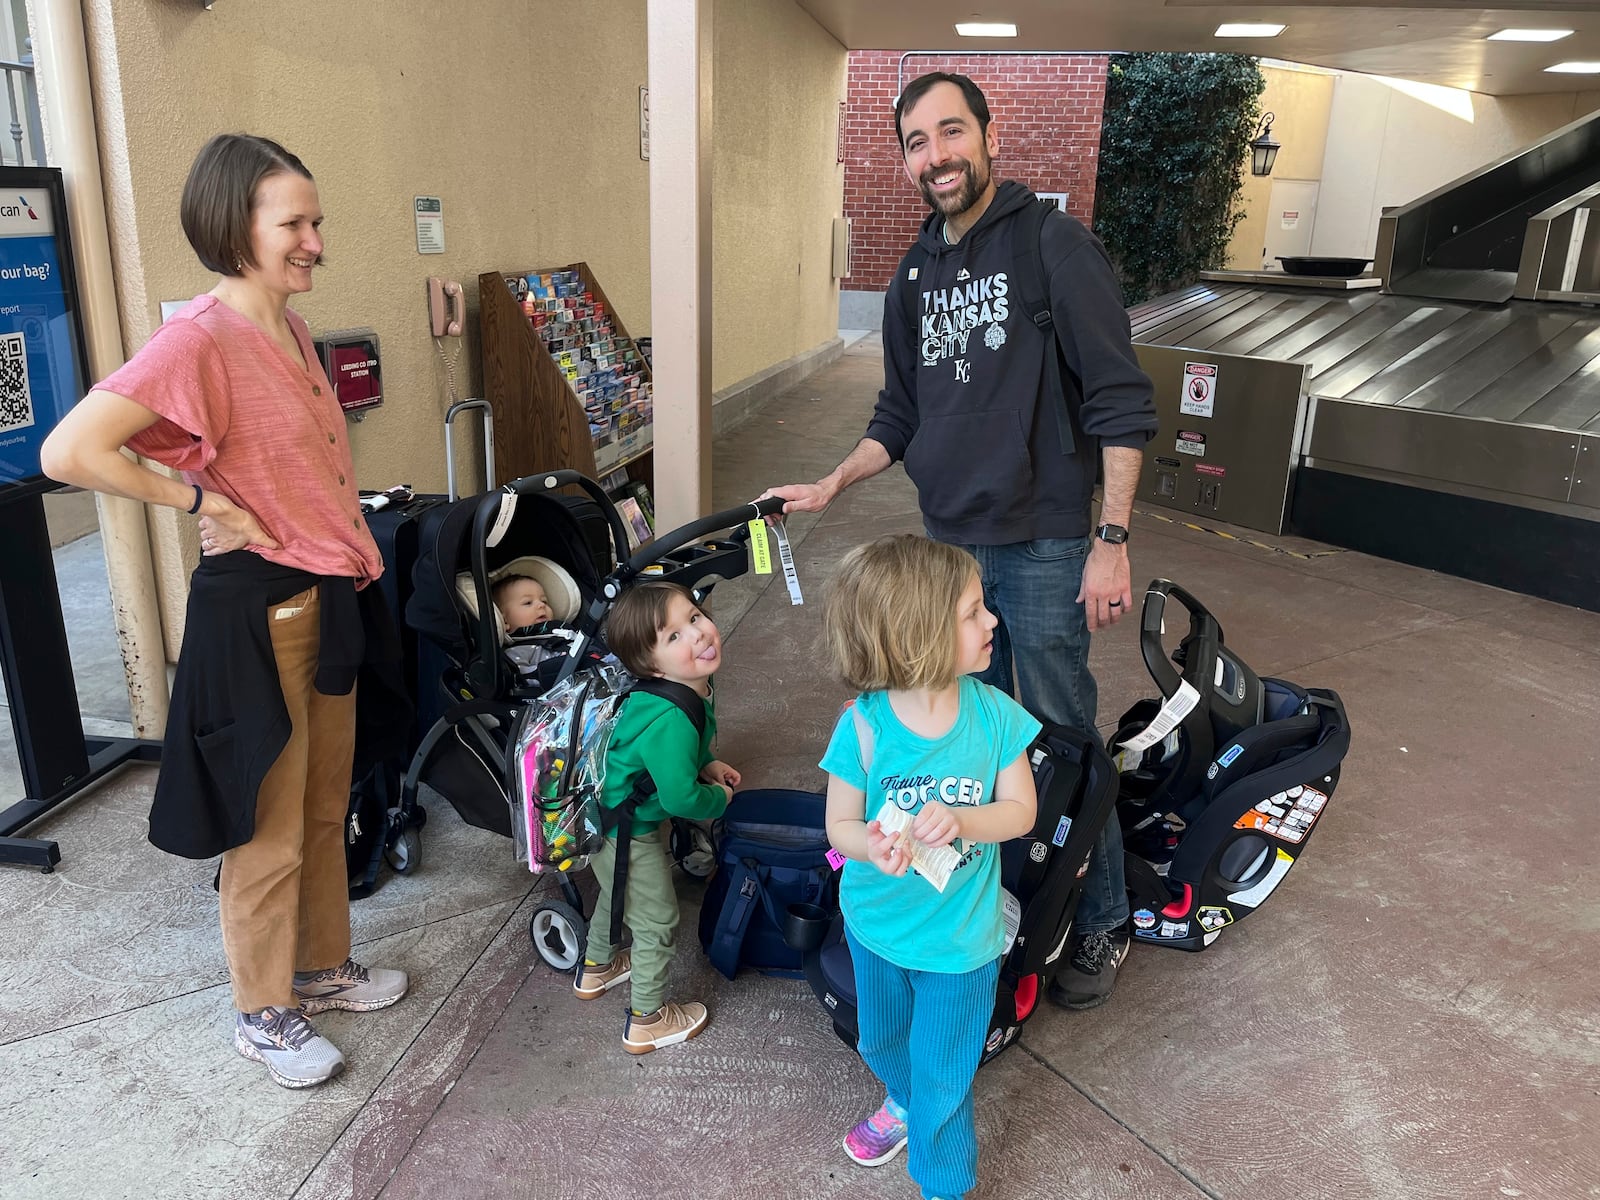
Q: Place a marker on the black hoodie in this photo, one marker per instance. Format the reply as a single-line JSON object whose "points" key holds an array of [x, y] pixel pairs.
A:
{"points": [[966, 402]]}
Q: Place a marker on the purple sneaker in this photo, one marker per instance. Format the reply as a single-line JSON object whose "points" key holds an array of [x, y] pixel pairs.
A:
{"points": [[877, 1139]]}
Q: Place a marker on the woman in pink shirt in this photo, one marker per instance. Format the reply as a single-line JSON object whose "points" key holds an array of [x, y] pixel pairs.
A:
{"points": [[257, 760]]}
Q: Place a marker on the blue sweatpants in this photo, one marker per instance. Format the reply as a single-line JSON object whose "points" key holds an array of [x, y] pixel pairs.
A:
{"points": [[922, 1034]]}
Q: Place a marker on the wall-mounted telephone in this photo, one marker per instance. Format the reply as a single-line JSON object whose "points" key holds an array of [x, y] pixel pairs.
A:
{"points": [[447, 307]]}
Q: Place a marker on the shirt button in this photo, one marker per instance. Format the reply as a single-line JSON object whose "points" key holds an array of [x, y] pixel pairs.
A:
{"points": [[316, 389], [356, 524], [341, 481], [330, 438]]}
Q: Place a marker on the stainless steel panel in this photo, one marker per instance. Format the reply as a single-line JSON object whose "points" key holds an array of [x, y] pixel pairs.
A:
{"points": [[1558, 384], [1561, 253], [1262, 334], [1193, 324], [1339, 315], [1489, 378], [1428, 360], [1516, 460], [1282, 279], [1395, 343], [1265, 303], [1586, 474], [1241, 469]]}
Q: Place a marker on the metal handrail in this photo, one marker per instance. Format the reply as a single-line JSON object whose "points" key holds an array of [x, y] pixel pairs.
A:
{"points": [[29, 112]]}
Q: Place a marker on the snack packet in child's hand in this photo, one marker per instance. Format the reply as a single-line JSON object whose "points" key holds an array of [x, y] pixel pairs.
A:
{"points": [[933, 863]]}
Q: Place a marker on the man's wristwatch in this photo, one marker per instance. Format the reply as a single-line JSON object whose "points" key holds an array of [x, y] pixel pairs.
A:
{"points": [[1117, 535]]}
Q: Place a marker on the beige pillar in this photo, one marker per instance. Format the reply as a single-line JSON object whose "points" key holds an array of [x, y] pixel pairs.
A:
{"points": [[680, 255], [61, 57]]}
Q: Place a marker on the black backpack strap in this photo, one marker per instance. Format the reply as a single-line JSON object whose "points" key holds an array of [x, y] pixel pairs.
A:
{"points": [[620, 818], [911, 288], [687, 700], [1033, 289]]}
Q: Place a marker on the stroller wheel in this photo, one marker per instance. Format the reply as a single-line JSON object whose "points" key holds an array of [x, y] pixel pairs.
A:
{"points": [[559, 933], [693, 850], [406, 852]]}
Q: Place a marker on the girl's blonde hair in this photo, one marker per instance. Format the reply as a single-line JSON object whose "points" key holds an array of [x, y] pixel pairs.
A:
{"points": [[889, 616]]}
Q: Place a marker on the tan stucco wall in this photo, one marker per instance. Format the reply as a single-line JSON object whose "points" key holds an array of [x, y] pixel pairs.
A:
{"points": [[778, 80], [523, 118], [1300, 102]]}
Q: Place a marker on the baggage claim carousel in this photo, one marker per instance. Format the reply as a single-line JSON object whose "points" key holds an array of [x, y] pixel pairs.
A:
{"points": [[1445, 412]]}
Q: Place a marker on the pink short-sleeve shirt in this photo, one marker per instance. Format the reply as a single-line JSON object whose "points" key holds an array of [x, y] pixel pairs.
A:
{"points": [[241, 417]]}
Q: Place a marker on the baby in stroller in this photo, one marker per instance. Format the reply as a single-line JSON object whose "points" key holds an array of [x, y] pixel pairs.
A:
{"points": [[533, 633]]}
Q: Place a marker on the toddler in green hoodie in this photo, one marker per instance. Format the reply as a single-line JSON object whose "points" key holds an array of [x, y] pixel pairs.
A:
{"points": [[661, 635]]}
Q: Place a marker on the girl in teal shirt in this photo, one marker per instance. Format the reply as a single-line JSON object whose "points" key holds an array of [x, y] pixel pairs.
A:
{"points": [[905, 624]]}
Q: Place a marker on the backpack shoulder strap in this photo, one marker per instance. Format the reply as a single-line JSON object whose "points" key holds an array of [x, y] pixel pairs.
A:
{"points": [[1033, 290], [688, 702], [863, 736], [910, 277]]}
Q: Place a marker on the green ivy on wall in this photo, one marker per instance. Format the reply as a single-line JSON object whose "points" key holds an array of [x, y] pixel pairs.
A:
{"points": [[1174, 148]]}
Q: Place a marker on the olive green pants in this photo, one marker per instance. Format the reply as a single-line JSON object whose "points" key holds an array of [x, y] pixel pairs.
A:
{"points": [[650, 912]]}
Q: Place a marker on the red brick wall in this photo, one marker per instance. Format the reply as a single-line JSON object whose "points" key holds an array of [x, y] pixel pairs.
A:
{"points": [[1046, 111]]}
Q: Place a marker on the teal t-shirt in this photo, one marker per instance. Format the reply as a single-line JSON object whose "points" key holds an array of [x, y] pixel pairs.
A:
{"points": [[907, 920]]}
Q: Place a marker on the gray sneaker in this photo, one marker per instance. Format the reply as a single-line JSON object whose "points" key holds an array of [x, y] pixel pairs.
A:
{"points": [[294, 1053], [1087, 979], [349, 986]]}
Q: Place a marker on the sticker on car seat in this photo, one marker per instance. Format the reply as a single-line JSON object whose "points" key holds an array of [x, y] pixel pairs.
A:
{"points": [[1173, 929], [1213, 917], [1228, 755], [1288, 815], [1144, 919], [1062, 827], [1172, 713]]}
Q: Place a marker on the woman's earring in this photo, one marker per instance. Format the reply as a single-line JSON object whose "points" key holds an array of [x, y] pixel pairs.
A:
{"points": [[238, 264]]}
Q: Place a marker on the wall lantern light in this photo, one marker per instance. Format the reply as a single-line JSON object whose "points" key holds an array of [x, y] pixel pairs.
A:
{"points": [[1263, 151]]}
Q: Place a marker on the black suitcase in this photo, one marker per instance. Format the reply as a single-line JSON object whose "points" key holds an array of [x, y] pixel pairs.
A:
{"points": [[394, 528]]}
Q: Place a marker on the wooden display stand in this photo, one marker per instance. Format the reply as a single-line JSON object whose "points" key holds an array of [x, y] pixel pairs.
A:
{"points": [[539, 422]]}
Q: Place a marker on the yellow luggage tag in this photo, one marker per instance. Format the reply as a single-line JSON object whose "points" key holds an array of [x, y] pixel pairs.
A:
{"points": [[760, 552]]}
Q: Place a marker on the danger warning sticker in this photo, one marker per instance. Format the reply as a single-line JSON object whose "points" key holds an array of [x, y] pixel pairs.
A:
{"points": [[1190, 442], [1199, 390]]}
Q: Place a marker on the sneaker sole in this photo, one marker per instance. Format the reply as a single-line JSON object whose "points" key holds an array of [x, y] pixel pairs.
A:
{"points": [[596, 993], [671, 1040], [312, 1006], [873, 1162], [282, 1080]]}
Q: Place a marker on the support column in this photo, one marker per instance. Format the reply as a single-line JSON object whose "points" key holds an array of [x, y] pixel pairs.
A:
{"points": [[679, 34], [62, 59]]}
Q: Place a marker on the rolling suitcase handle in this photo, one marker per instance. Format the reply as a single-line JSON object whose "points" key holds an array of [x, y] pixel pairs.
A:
{"points": [[450, 447]]}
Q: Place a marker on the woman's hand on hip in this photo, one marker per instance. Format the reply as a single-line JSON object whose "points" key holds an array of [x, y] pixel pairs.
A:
{"points": [[225, 527]]}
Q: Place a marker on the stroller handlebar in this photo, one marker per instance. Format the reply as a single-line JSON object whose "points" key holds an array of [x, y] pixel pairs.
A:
{"points": [[676, 539]]}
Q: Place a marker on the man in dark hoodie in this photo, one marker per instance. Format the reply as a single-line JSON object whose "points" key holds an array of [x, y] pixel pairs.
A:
{"points": [[971, 406]]}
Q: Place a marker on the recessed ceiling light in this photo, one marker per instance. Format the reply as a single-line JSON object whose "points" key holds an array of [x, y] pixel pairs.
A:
{"points": [[1249, 29], [1575, 68], [986, 29], [1529, 35]]}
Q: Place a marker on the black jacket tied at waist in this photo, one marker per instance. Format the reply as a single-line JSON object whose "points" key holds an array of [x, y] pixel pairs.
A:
{"points": [[229, 724]]}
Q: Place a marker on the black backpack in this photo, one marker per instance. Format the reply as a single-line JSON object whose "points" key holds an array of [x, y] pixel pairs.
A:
{"points": [[1033, 291], [772, 852]]}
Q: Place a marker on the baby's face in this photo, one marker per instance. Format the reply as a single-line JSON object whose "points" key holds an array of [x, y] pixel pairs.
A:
{"points": [[524, 603]]}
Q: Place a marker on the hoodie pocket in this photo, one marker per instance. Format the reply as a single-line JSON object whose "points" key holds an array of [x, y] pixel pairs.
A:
{"points": [[969, 465]]}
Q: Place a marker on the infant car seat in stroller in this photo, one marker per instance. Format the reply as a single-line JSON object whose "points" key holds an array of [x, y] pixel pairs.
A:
{"points": [[1041, 876], [1222, 779]]}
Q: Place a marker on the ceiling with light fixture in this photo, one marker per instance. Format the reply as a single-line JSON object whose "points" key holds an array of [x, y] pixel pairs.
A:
{"points": [[1443, 42]]}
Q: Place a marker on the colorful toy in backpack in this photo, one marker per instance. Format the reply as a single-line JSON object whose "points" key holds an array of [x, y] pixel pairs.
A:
{"points": [[558, 762]]}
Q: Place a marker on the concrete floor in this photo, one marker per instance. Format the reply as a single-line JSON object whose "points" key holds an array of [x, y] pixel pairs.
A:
{"points": [[1415, 1014]]}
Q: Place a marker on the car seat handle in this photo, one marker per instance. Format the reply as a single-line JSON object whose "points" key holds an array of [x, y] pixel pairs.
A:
{"points": [[1200, 662]]}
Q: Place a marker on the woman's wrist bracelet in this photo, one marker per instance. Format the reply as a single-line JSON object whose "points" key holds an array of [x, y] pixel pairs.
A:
{"points": [[198, 497]]}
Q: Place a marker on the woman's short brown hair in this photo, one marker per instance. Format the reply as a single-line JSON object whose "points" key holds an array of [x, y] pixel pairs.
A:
{"points": [[636, 618], [220, 195], [889, 615]]}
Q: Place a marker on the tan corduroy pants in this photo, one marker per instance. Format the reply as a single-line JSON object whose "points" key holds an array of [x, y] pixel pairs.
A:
{"points": [[285, 896]]}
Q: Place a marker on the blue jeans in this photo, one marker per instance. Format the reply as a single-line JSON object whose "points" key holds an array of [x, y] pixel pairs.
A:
{"points": [[922, 1034], [1041, 656]]}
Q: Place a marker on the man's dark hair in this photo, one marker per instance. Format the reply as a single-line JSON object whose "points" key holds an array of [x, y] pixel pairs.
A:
{"points": [[220, 195], [919, 87]]}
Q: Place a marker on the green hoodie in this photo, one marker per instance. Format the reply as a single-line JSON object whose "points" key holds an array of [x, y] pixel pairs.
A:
{"points": [[652, 733]]}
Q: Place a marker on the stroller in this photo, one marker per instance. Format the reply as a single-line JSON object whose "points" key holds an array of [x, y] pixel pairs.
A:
{"points": [[526, 527], [1222, 780], [1041, 876]]}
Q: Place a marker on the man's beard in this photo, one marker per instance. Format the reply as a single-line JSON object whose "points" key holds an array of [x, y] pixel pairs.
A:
{"points": [[973, 185]]}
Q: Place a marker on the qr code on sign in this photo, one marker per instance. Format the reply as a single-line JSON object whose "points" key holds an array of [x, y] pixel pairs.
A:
{"points": [[16, 398]]}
